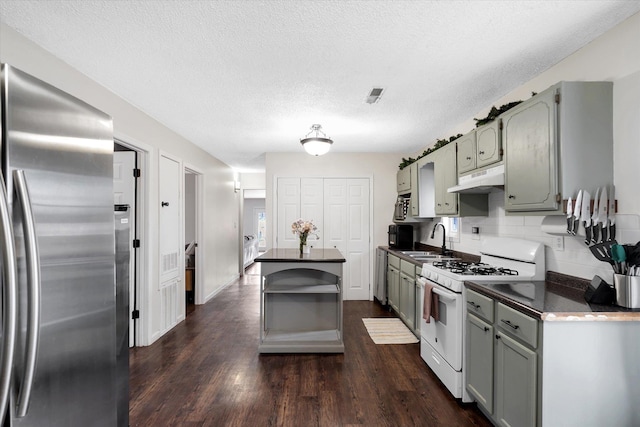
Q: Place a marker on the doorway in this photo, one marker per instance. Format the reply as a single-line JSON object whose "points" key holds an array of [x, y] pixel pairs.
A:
{"points": [[192, 238], [125, 192], [254, 225]]}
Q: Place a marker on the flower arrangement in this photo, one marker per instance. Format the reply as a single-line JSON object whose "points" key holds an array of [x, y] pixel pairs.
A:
{"points": [[303, 228]]}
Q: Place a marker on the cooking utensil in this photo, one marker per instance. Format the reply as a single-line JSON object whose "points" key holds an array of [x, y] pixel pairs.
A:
{"points": [[594, 218], [611, 212], [602, 214], [585, 215], [569, 216], [602, 252], [576, 213], [619, 255]]}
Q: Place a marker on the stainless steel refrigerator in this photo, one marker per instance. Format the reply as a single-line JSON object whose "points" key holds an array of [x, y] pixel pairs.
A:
{"points": [[58, 256]]}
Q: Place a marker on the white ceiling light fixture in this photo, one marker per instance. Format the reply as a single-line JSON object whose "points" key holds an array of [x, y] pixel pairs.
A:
{"points": [[316, 145]]}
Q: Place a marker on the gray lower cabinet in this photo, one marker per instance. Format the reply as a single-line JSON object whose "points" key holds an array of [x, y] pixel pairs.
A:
{"points": [[393, 281], [515, 387], [502, 361], [480, 361], [407, 304]]}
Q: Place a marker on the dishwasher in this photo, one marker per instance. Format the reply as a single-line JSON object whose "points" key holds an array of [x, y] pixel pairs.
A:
{"points": [[380, 291]]}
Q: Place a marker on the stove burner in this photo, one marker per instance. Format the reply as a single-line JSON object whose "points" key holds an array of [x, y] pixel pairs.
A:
{"points": [[474, 268]]}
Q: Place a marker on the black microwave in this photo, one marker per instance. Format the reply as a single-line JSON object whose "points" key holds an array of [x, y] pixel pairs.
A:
{"points": [[401, 236]]}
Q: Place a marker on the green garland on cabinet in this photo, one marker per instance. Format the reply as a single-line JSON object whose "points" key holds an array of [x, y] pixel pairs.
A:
{"points": [[493, 114], [439, 143]]}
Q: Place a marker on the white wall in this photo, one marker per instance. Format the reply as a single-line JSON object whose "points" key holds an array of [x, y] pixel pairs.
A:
{"points": [[615, 56], [382, 167], [221, 205]]}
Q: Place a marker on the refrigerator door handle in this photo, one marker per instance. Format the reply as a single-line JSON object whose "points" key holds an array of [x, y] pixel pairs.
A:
{"points": [[10, 298], [33, 291]]}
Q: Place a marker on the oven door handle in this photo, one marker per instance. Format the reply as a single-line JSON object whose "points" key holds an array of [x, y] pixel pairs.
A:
{"points": [[447, 296]]}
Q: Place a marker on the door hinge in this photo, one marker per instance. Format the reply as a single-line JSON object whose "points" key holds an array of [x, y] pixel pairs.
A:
{"points": [[136, 173], [557, 98], [558, 198], [135, 314], [136, 243]]}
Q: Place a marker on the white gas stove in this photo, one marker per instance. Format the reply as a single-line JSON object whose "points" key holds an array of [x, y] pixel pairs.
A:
{"points": [[442, 341]]}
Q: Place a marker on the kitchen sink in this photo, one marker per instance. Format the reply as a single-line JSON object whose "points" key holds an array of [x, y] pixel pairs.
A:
{"points": [[414, 254]]}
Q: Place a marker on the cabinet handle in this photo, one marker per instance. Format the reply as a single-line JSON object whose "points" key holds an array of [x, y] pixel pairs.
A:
{"points": [[163, 204], [480, 152], [446, 203], [468, 158], [497, 336], [473, 304], [509, 324], [511, 196], [486, 329]]}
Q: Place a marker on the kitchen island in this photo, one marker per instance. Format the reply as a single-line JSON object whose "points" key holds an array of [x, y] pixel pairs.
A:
{"points": [[301, 301]]}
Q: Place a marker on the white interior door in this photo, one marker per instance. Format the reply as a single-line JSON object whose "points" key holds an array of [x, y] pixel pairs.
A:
{"points": [[335, 213], [288, 211], [311, 203], [358, 253], [124, 193]]}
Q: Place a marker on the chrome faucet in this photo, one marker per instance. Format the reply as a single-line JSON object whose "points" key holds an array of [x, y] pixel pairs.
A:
{"points": [[444, 236]]}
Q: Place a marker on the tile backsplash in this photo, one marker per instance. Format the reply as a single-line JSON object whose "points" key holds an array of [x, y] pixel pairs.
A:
{"points": [[575, 259]]}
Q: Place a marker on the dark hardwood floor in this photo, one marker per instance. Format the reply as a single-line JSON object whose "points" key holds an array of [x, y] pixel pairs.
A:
{"points": [[207, 372]]}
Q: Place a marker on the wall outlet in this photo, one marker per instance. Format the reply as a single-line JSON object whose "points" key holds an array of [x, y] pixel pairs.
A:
{"points": [[475, 233], [558, 243]]}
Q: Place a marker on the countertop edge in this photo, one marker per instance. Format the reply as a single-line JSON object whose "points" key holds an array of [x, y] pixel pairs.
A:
{"points": [[595, 316]]}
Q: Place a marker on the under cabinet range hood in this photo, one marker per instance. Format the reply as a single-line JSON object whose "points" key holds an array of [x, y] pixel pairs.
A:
{"points": [[480, 182]]}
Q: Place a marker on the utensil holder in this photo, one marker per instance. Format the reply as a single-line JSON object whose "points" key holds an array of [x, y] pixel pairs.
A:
{"points": [[627, 290]]}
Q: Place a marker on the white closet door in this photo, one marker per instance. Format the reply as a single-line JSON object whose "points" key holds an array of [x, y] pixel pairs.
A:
{"points": [[335, 213], [288, 200], [170, 244], [358, 254], [311, 207]]}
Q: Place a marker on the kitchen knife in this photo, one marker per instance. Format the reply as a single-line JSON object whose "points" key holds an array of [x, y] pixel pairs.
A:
{"points": [[611, 212], [594, 218], [569, 216], [576, 213], [585, 215], [602, 214]]}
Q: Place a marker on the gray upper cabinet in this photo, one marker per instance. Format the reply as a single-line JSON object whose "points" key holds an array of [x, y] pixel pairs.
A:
{"points": [[466, 152], [404, 180], [446, 176], [556, 143], [480, 147], [489, 144]]}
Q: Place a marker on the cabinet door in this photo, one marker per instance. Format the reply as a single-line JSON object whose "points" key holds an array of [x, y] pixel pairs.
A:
{"points": [[311, 208], [407, 300], [479, 361], [404, 180], [393, 279], [488, 144], [466, 152], [529, 135], [446, 177], [288, 211], [516, 385], [415, 189]]}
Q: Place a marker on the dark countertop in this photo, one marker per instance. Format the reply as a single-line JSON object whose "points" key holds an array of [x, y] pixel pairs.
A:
{"points": [[293, 255], [550, 301]]}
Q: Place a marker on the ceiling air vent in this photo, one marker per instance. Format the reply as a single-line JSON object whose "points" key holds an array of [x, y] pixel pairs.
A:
{"points": [[374, 95]]}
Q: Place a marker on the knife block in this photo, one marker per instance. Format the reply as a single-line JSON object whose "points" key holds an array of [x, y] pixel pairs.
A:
{"points": [[599, 292]]}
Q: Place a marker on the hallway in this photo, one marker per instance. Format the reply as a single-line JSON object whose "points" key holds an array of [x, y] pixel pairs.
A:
{"points": [[207, 372]]}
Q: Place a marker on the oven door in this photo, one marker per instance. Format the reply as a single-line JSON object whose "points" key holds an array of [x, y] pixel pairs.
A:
{"points": [[445, 335]]}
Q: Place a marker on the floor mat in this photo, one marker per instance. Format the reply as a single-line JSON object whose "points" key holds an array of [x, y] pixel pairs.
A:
{"points": [[388, 330]]}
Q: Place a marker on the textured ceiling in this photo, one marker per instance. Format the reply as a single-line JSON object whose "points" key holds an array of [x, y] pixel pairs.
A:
{"points": [[241, 78]]}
